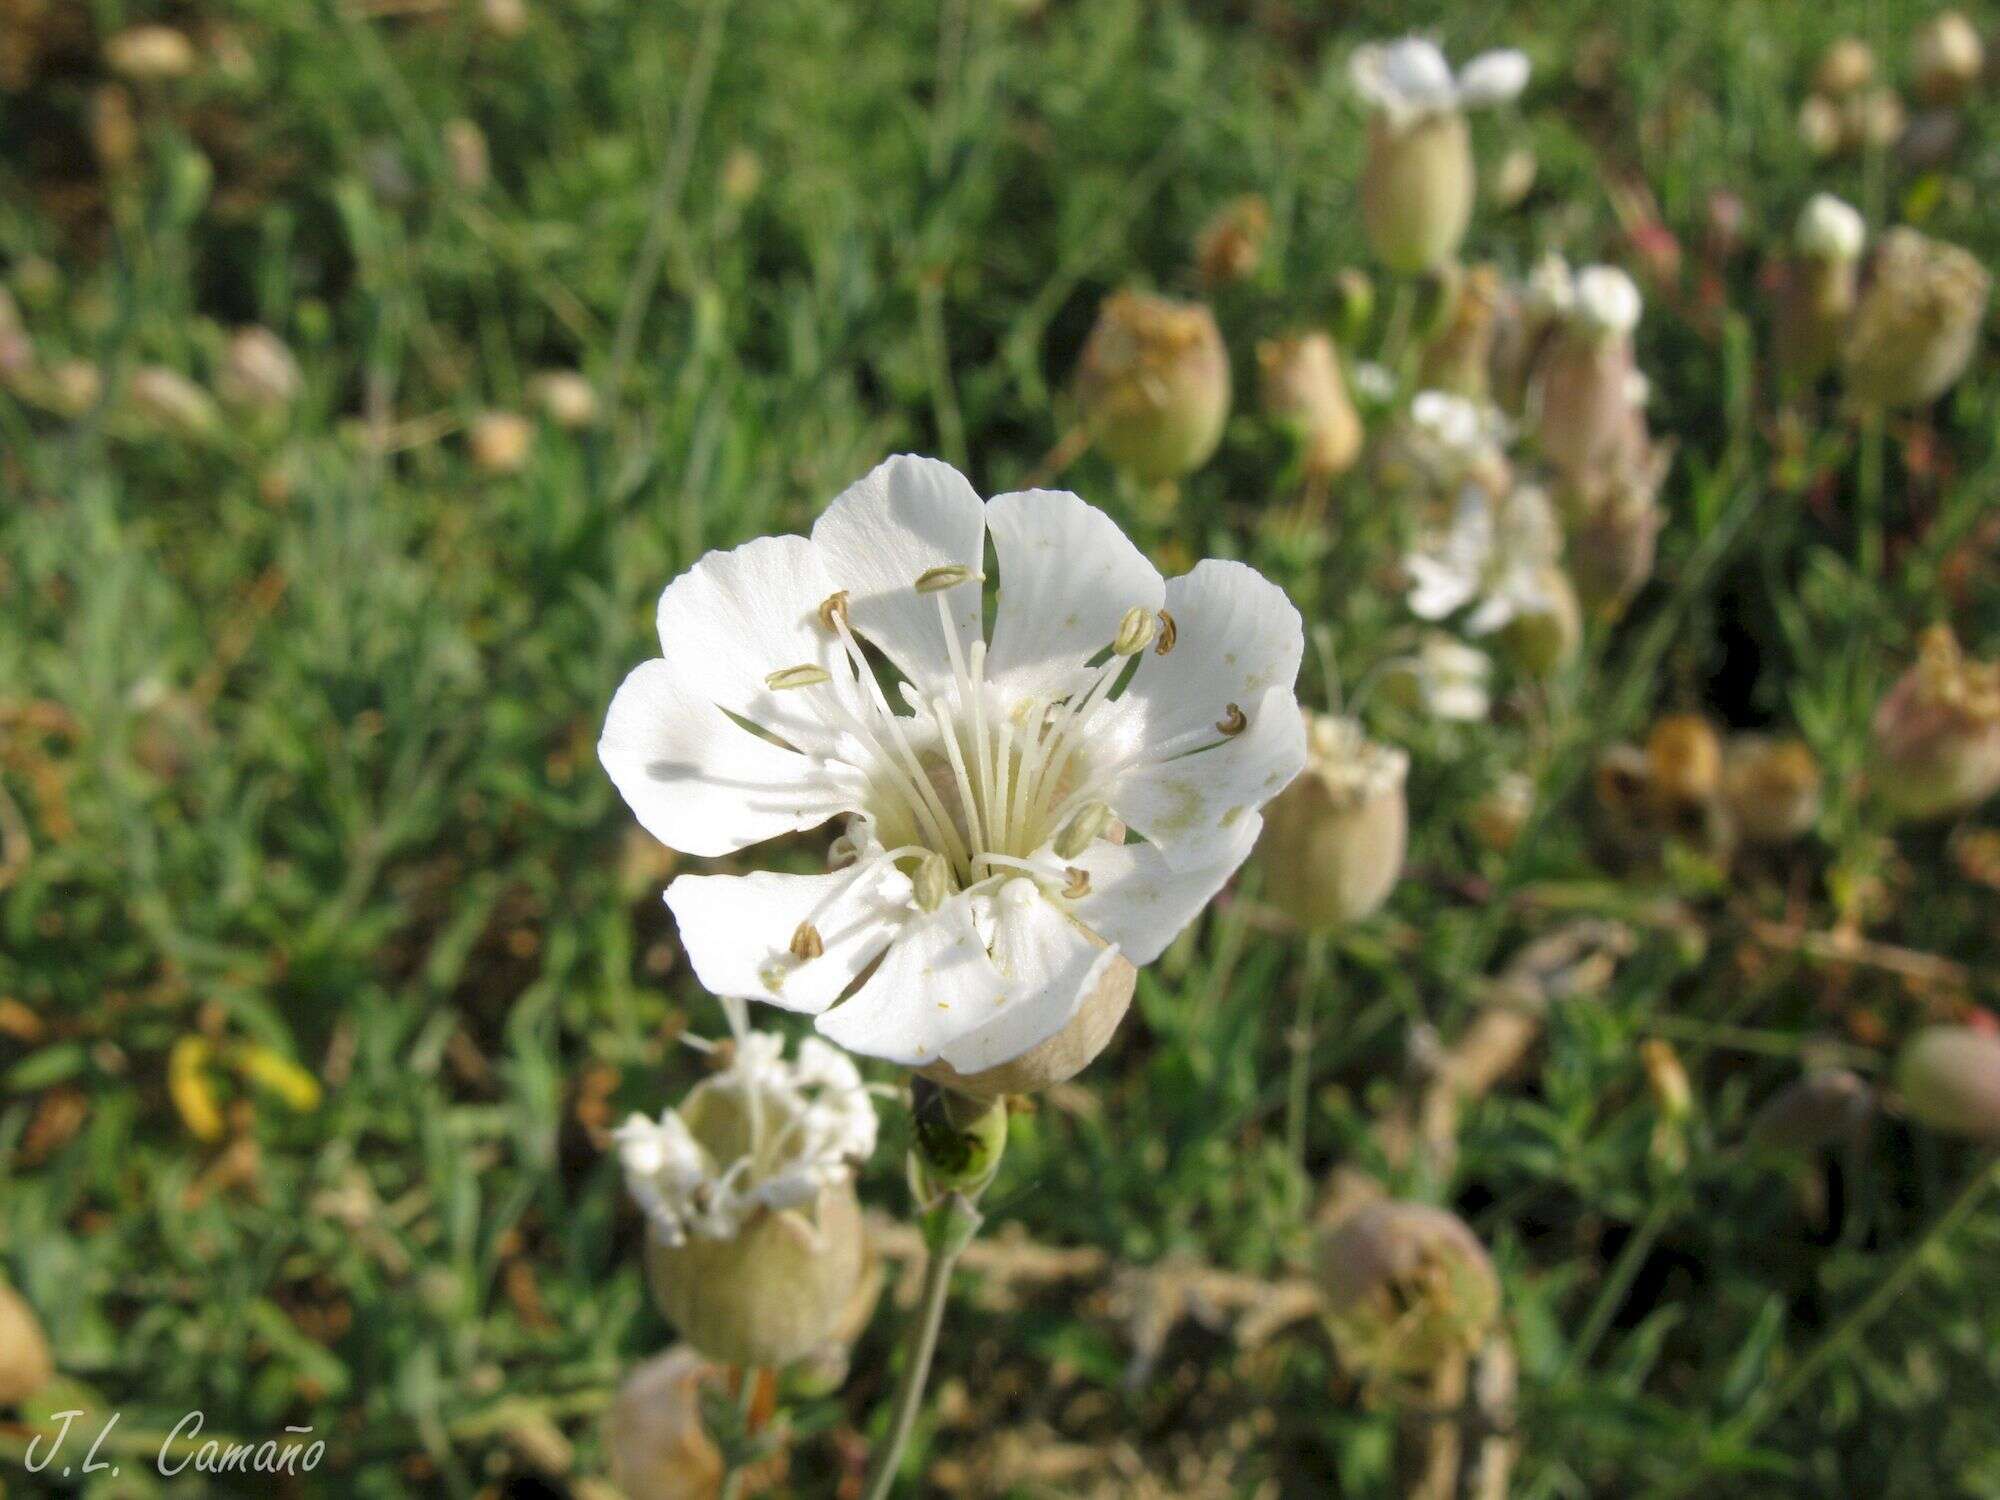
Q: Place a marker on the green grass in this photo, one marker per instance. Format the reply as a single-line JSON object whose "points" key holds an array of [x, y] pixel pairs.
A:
{"points": [[299, 731]]}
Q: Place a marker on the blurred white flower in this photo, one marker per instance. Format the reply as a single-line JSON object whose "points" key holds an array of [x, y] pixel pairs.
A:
{"points": [[1447, 678], [1410, 79], [1495, 557], [1830, 228], [799, 1126], [978, 907]]}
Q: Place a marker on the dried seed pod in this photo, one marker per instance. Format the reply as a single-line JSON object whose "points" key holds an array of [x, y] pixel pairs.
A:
{"points": [[1937, 732], [1917, 323], [1231, 244], [1824, 1108], [1947, 58], [25, 1363], [1846, 67], [1301, 387], [1153, 383], [1772, 787], [1407, 1287], [500, 442]]}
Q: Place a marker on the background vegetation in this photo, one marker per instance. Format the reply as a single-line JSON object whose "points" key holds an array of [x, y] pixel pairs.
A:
{"points": [[297, 715]]}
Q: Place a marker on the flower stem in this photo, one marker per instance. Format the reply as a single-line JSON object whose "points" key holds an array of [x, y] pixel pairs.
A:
{"points": [[1318, 967], [948, 1229], [746, 1404], [1869, 497]]}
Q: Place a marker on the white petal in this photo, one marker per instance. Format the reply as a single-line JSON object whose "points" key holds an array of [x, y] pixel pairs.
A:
{"points": [[1190, 805], [701, 783], [1067, 577], [1493, 77], [933, 984], [1048, 964], [1141, 903], [882, 533], [735, 617], [738, 930], [1236, 635]]}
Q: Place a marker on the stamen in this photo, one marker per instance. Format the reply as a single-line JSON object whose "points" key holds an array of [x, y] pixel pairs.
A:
{"points": [[1169, 633], [833, 607], [807, 943], [806, 675], [949, 576], [1232, 723], [1079, 884]]}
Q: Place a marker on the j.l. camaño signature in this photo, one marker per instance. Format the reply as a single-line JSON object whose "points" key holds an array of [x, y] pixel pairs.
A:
{"points": [[298, 1452]]}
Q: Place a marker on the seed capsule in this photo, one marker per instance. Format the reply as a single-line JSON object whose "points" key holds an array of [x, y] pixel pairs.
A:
{"points": [[1949, 1077], [1153, 383], [1917, 324], [1333, 841], [1407, 1286]]}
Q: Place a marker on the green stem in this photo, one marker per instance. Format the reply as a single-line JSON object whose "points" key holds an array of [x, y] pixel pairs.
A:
{"points": [[746, 1404], [960, 1224], [1869, 498], [1623, 1273], [1751, 1420], [1317, 968]]}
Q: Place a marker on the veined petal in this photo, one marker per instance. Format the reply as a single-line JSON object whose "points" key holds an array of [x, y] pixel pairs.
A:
{"points": [[933, 983], [1048, 964], [1236, 636], [1190, 805], [736, 617], [746, 934], [701, 783], [1140, 902], [1067, 577], [902, 519]]}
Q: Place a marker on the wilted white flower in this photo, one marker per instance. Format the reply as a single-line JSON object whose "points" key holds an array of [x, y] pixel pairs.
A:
{"points": [[809, 1121], [1607, 301], [1447, 678], [1497, 557], [980, 909], [1409, 79]]}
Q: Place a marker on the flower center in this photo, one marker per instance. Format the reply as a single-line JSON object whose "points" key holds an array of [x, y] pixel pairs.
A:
{"points": [[966, 783]]}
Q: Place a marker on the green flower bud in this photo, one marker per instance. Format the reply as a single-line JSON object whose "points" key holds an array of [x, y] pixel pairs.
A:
{"points": [[1417, 188], [959, 1141], [1301, 388]]}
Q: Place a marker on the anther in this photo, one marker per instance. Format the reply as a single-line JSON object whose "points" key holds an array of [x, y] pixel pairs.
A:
{"points": [[1135, 631], [833, 611], [1082, 831], [932, 881], [806, 675], [949, 576], [1079, 884], [806, 943], [1233, 722], [1169, 633]]}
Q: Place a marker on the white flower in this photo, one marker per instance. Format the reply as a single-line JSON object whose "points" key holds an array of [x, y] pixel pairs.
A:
{"points": [[1410, 79], [976, 907], [1830, 229], [767, 1135], [1374, 383], [1607, 301], [1451, 679], [1498, 556]]}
